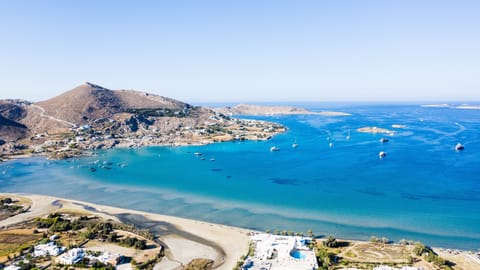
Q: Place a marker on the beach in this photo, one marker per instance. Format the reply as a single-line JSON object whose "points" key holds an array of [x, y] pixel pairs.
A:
{"points": [[185, 239]]}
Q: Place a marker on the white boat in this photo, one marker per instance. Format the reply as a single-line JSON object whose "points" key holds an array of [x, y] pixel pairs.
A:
{"points": [[330, 145], [383, 140], [295, 144], [459, 147], [197, 154], [274, 149], [348, 136], [382, 154], [212, 159]]}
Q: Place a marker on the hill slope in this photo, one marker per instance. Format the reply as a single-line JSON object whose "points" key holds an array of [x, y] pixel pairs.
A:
{"points": [[10, 114], [92, 117], [89, 101]]}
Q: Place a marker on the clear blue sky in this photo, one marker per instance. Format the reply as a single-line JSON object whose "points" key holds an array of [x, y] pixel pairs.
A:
{"points": [[201, 51]]}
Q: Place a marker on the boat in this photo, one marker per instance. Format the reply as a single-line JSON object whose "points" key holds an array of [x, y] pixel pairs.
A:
{"points": [[382, 154], [274, 149], [202, 158], [212, 159], [197, 154], [459, 147], [383, 140], [330, 145], [295, 144], [348, 136]]}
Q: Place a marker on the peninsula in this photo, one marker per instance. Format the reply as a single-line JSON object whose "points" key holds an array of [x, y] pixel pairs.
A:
{"points": [[91, 117], [250, 109]]}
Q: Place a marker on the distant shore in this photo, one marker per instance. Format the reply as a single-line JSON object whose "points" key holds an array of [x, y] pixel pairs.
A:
{"points": [[259, 110]]}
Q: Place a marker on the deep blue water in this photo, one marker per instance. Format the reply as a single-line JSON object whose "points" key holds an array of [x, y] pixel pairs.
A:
{"points": [[422, 190]]}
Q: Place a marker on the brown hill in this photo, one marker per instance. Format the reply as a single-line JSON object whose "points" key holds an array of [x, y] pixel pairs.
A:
{"points": [[81, 104], [89, 102], [91, 117]]}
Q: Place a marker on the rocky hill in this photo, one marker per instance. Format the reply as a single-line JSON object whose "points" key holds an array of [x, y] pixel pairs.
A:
{"points": [[92, 117], [10, 113], [89, 101]]}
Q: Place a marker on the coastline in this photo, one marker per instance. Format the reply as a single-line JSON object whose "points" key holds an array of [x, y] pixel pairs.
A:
{"points": [[185, 239]]}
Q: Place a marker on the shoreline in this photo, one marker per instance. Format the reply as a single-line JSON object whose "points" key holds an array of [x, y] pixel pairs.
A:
{"points": [[185, 239]]}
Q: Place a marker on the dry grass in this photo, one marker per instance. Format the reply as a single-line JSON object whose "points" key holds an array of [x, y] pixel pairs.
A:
{"points": [[377, 253], [25, 202], [13, 241]]}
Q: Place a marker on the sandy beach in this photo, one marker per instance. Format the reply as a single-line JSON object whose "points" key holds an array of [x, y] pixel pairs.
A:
{"points": [[185, 239]]}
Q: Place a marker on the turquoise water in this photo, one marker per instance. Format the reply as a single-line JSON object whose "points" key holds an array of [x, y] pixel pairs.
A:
{"points": [[422, 190]]}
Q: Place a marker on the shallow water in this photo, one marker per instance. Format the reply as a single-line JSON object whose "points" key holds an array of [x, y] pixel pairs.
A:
{"points": [[422, 189]]}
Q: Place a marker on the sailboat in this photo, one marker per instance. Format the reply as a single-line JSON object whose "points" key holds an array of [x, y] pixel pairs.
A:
{"points": [[348, 136], [295, 144]]}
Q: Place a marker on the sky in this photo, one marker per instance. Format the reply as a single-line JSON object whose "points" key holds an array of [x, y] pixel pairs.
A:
{"points": [[229, 51]]}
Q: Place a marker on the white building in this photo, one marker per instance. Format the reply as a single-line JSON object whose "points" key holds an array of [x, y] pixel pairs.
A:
{"points": [[49, 249], [277, 252], [106, 258], [12, 267], [73, 256]]}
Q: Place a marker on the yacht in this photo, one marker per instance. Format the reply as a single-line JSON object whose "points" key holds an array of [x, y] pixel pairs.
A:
{"points": [[212, 159], [459, 147], [348, 136], [383, 140], [330, 145], [382, 154], [274, 149], [197, 154]]}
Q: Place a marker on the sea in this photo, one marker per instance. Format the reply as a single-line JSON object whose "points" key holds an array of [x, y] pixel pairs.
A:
{"points": [[333, 183]]}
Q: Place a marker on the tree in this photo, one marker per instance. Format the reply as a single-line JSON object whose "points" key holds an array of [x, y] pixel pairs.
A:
{"points": [[419, 249], [331, 242], [384, 240], [310, 233]]}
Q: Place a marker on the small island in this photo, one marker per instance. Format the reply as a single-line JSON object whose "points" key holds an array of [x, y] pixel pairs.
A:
{"points": [[375, 130]]}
